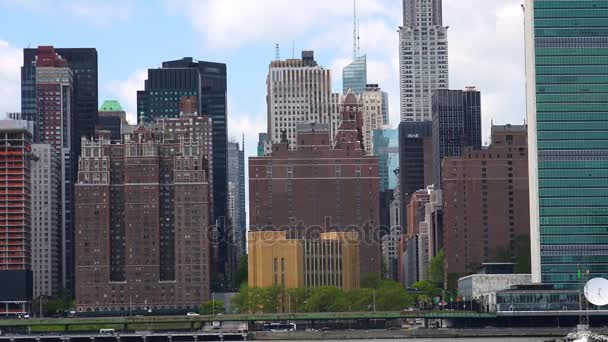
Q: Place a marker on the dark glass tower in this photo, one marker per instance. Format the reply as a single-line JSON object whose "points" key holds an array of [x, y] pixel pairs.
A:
{"points": [[567, 103], [456, 125], [415, 159], [83, 64], [212, 92]]}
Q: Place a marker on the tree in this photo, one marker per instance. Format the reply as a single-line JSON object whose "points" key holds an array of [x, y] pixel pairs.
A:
{"points": [[360, 299], [240, 301], [391, 296], [370, 280], [436, 268], [328, 299], [240, 276], [296, 301], [212, 307]]}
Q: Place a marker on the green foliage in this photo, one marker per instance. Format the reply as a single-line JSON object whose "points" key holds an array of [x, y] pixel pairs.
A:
{"points": [[389, 296], [436, 268], [58, 304], [328, 299], [240, 276], [296, 300], [212, 307], [370, 280]]}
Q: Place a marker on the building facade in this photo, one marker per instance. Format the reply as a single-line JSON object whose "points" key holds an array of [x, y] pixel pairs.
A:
{"points": [[83, 66], [386, 148], [319, 187], [566, 51], [46, 220], [236, 195], [299, 91], [207, 82], [354, 76], [456, 124], [143, 220], [16, 223], [55, 124], [415, 158], [485, 203], [423, 57], [372, 99], [330, 260], [112, 118]]}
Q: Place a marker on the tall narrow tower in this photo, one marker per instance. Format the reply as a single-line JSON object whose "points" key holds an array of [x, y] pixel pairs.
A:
{"points": [[423, 58]]}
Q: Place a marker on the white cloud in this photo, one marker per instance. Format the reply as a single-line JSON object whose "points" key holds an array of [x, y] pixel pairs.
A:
{"points": [[125, 91], [486, 50], [10, 78], [233, 23]]}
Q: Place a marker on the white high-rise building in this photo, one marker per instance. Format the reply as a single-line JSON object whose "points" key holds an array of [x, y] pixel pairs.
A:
{"points": [[46, 220], [372, 101], [423, 58], [299, 91]]}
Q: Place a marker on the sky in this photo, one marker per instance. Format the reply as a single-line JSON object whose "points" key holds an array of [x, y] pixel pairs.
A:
{"points": [[485, 46]]}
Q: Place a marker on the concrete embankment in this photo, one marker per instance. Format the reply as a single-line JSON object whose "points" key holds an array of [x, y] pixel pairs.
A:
{"points": [[411, 333]]}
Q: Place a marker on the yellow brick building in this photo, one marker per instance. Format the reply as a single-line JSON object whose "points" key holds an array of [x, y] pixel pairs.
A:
{"points": [[332, 260]]}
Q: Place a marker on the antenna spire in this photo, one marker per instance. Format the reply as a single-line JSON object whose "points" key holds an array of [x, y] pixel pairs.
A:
{"points": [[354, 30], [277, 56], [358, 40]]}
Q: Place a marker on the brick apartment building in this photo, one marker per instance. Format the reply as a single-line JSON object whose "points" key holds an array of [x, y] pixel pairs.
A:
{"points": [[318, 188], [142, 223], [485, 202]]}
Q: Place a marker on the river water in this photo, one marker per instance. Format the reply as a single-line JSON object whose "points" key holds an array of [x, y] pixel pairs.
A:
{"points": [[463, 339]]}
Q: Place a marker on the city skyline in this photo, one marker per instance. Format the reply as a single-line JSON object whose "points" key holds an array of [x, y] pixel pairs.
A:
{"points": [[492, 35]]}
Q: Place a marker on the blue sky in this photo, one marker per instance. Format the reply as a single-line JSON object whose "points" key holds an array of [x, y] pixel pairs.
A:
{"points": [[485, 46]]}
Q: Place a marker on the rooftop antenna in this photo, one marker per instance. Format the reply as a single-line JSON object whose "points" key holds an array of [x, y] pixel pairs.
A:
{"points": [[243, 146], [358, 40], [293, 49], [277, 56], [354, 30]]}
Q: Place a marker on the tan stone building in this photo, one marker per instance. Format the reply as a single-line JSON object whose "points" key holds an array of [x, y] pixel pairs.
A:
{"points": [[331, 260]]}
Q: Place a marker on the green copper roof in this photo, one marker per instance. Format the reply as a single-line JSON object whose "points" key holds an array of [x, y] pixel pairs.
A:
{"points": [[111, 106]]}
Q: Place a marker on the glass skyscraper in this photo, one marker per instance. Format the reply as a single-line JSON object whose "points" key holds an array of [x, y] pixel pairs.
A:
{"points": [[567, 104], [354, 76], [386, 148]]}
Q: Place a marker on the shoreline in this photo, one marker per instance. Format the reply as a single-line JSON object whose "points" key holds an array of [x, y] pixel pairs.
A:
{"points": [[549, 333]]}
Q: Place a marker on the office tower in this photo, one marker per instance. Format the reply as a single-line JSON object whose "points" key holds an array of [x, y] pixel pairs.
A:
{"points": [[55, 124], [415, 158], [332, 259], [236, 195], [371, 99], [46, 220], [15, 212], [163, 90], [354, 76], [416, 239], [263, 144], [112, 118], [214, 102], [320, 187], [299, 91], [485, 204], [423, 58], [433, 216], [456, 124], [395, 233], [142, 217], [386, 148], [565, 84], [83, 64]]}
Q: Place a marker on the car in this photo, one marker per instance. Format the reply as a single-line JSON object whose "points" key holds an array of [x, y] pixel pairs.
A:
{"points": [[192, 314]]}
